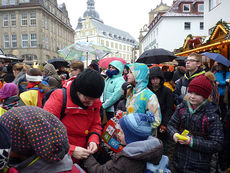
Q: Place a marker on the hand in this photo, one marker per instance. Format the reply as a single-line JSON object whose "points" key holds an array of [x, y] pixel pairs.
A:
{"points": [[81, 153], [92, 147], [183, 142], [218, 83], [175, 138]]}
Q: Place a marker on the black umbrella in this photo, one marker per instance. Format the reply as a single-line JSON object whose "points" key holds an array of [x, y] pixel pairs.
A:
{"points": [[156, 56], [58, 62]]}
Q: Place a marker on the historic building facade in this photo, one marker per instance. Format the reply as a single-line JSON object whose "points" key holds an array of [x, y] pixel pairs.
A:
{"points": [[168, 29], [34, 29], [91, 28]]}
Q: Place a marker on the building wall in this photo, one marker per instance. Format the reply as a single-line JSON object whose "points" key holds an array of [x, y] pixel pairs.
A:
{"points": [[118, 48], [51, 33], [212, 16], [169, 32]]}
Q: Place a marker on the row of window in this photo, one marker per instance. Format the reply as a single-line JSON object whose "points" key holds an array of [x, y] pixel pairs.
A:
{"points": [[115, 45], [9, 2], [10, 19], [12, 39], [187, 25], [187, 8]]}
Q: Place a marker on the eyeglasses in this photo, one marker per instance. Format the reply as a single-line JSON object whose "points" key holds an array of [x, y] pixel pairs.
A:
{"points": [[190, 60]]}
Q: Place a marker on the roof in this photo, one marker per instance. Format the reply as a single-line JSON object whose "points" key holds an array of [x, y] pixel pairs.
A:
{"points": [[113, 33], [174, 10]]}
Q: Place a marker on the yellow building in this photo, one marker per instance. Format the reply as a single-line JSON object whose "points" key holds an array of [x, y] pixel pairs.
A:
{"points": [[34, 30]]}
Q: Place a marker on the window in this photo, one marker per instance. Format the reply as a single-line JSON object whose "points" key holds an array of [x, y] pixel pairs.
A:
{"points": [[33, 18], [4, 2], [186, 7], [24, 40], [107, 43], [13, 19], [14, 40], [200, 7], [33, 40], [47, 43], [6, 41], [213, 3], [102, 42], [187, 25], [24, 19], [5, 20], [112, 44], [12, 2], [116, 45], [201, 25]]}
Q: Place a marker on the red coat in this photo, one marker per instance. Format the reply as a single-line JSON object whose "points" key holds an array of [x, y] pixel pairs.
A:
{"points": [[79, 122]]}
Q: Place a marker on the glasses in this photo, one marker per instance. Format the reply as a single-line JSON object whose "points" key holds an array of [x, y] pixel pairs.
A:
{"points": [[190, 60]]}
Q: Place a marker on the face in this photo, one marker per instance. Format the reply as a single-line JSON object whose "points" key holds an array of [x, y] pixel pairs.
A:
{"points": [[75, 72], [111, 68], [192, 63], [85, 100], [195, 99], [131, 78], [155, 81], [15, 72], [121, 136]]}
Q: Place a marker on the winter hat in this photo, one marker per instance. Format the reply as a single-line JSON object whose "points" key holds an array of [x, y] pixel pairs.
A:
{"points": [[156, 72], [94, 66], [137, 126], [8, 90], [202, 85], [89, 83], [181, 63], [5, 146], [36, 131], [49, 70]]}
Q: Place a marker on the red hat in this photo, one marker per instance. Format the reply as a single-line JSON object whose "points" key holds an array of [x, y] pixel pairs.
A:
{"points": [[201, 85]]}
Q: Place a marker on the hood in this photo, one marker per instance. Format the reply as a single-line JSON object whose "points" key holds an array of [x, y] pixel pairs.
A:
{"points": [[49, 70], [156, 72], [141, 75], [149, 150], [40, 165], [118, 65]]}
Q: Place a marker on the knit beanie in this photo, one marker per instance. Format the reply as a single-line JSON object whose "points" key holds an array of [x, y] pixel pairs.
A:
{"points": [[137, 126], [36, 131], [5, 146], [8, 90], [89, 83], [202, 84]]}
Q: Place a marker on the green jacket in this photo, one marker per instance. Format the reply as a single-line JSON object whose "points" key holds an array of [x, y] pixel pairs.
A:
{"points": [[112, 90]]}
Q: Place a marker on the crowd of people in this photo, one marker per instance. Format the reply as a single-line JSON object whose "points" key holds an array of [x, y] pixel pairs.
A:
{"points": [[51, 120]]}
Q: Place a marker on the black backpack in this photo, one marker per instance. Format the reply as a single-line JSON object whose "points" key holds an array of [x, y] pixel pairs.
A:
{"points": [[47, 95]]}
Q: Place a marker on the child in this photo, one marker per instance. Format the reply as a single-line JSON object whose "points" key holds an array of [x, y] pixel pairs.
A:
{"points": [[9, 94], [140, 147], [142, 99], [197, 115]]}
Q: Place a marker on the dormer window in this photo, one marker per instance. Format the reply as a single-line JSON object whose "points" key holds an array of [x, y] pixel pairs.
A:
{"points": [[104, 33], [186, 7], [200, 7]]}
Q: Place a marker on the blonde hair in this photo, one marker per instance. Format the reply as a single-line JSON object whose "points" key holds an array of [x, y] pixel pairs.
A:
{"points": [[20, 67], [196, 55]]}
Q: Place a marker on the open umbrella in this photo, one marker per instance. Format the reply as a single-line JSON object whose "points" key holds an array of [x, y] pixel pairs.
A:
{"points": [[58, 62], [79, 49], [156, 56], [104, 62], [217, 57]]}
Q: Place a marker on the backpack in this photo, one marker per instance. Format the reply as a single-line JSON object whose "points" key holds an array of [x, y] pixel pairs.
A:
{"points": [[162, 167], [47, 95]]}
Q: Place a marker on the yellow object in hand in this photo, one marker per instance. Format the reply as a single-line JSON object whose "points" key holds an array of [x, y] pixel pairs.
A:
{"points": [[181, 137], [185, 132], [130, 109]]}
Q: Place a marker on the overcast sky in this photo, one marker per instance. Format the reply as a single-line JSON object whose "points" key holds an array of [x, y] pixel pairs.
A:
{"points": [[126, 15]]}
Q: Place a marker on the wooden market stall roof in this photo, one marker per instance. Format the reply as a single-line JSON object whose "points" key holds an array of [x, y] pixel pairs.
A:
{"points": [[219, 39]]}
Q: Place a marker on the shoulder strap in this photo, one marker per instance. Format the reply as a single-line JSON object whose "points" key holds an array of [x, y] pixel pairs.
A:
{"points": [[64, 103]]}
